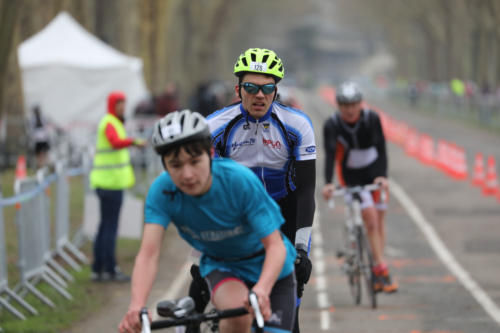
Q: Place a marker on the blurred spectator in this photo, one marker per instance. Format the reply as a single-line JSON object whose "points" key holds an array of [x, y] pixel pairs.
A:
{"points": [[146, 107], [209, 96], [168, 101], [111, 173], [40, 137], [413, 93]]}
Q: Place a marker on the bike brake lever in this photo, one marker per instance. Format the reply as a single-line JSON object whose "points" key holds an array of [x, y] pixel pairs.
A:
{"points": [[252, 297]]}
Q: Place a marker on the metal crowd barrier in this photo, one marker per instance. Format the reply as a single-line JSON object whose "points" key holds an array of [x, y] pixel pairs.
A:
{"points": [[36, 251]]}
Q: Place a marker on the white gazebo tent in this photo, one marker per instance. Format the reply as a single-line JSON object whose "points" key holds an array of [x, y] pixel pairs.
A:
{"points": [[69, 73]]}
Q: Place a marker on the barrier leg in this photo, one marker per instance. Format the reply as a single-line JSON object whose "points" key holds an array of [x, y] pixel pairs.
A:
{"points": [[11, 309], [64, 256], [65, 274], [57, 287], [21, 301], [31, 288], [77, 253], [53, 275]]}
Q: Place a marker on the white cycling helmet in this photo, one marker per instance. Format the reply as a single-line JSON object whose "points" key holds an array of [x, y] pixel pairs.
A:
{"points": [[348, 93], [178, 127]]}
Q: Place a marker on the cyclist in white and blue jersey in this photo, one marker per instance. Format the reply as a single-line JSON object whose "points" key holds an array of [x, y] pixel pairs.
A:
{"points": [[277, 142], [221, 209]]}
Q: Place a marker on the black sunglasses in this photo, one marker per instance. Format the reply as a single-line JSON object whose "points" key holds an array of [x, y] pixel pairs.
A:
{"points": [[253, 88]]}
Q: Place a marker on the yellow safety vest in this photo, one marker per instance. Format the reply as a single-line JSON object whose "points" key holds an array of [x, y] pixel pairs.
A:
{"points": [[112, 169]]}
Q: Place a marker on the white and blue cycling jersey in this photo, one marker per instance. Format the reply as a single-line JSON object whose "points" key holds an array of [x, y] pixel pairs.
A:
{"points": [[226, 224], [269, 145]]}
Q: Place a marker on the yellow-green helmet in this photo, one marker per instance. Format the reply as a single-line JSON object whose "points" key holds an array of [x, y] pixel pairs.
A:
{"points": [[262, 61]]}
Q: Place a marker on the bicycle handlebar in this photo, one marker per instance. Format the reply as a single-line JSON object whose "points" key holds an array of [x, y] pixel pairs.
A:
{"points": [[145, 321], [186, 318], [254, 302], [341, 190]]}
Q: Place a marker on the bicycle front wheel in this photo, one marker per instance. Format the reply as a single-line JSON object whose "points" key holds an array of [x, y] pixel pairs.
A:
{"points": [[366, 265]]}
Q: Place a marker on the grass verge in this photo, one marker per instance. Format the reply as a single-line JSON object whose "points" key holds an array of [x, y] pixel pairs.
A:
{"points": [[88, 297]]}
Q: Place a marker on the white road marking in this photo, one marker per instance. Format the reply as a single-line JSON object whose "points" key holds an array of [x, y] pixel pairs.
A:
{"points": [[175, 288], [319, 270], [395, 253], [444, 254]]}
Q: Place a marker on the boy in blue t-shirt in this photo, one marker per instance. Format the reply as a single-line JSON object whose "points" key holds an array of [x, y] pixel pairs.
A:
{"points": [[222, 210]]}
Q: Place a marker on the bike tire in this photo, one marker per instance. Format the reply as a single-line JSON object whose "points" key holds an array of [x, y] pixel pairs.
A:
{"points": [[366, 264], [354, 279]]}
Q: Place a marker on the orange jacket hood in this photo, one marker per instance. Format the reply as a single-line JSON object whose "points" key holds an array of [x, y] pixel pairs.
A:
{"points": [[114, 97]]}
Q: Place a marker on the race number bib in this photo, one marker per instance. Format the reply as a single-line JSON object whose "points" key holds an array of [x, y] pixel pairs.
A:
{"points": [[258, 66]]}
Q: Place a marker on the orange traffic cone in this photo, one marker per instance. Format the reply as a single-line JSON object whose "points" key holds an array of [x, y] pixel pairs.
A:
{"points": [[21, 167], [491, 183], [459, 164], [442, 158], [478, 176]]}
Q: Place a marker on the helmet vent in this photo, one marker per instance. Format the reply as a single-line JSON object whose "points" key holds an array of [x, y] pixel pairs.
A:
{"points": [[254, 57], [273, 64], [181, 121], [265, 57], [244, 61]]}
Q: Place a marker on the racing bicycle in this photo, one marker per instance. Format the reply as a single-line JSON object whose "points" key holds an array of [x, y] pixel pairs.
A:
{"points": [[356, 252], [181, 312]]}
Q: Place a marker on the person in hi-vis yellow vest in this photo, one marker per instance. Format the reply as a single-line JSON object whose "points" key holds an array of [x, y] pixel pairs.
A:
{"points": [[111, 173]]}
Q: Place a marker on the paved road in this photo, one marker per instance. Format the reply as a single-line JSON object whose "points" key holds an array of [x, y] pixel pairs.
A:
{"points": [[431, 298]]}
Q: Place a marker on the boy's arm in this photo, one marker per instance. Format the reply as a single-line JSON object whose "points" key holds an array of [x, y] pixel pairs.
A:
{"points": [[273, 263], [144, 274]]}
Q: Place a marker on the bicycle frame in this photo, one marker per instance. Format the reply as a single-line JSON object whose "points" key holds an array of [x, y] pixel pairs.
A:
{"points": [[357, 252]]}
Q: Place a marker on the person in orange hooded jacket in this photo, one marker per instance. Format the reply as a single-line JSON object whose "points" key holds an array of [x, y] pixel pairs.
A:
{"points": [[111, 174]]}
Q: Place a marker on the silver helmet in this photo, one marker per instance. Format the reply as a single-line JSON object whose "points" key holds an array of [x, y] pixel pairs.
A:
{"points": [[178, 127], [348, 93]]}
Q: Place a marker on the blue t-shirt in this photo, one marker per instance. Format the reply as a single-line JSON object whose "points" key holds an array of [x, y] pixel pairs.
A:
{"points": [[228, 221]]}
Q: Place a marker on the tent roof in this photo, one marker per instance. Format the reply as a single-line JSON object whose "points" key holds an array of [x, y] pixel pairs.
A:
{"points": [[65, 42]]}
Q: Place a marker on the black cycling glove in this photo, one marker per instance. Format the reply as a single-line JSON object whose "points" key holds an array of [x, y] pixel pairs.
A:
{"points": [[303, 268]]}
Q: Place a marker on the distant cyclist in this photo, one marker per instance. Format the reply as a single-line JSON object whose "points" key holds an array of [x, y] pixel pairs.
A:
{"points": [[276, 142], [221, 209], [353, 137]]}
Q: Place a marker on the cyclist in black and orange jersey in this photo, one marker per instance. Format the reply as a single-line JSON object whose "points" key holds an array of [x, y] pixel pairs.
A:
{"points": [[354, 138]]}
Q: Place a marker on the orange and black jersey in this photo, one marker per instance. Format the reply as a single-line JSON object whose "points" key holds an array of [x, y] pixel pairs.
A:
{"points": [[359, 149]]}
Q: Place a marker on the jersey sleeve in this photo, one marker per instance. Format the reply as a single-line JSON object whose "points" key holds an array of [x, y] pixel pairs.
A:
{"points": [[154, 207], [381, 146], [217, 133], [330, 145], [306, 149], [114, 139]]}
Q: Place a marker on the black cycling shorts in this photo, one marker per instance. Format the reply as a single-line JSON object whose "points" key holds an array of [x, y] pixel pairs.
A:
{"points": [[283, 297]]}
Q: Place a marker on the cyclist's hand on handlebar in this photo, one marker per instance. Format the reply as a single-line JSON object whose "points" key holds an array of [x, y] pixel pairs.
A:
{"points": [[264, 303], [131, 323], [327, 191], [383, 182], [303, 268]]}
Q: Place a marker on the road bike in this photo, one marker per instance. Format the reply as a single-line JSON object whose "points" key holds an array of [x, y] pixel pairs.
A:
{"points": [[181, 312], [356, 252]]}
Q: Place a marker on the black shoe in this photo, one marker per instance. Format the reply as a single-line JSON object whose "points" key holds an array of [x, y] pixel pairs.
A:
{"points": [[116, 276]]}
